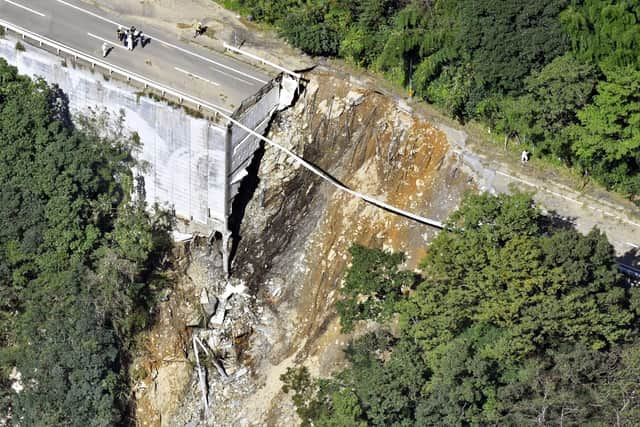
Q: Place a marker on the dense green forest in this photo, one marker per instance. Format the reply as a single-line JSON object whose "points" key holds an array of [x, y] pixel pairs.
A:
{"points": [[515, 319], [560, 76], [76, 259]]}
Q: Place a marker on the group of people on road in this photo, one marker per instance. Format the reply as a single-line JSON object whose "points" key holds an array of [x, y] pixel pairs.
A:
{"points": [[130, 38]]}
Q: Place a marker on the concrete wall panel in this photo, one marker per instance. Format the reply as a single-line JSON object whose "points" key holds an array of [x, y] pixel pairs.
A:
{"points": [[182, 157]]}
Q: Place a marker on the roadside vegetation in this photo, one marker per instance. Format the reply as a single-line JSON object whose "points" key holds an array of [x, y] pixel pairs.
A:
{"points": [[78, 260], [515, 319], [562, 77]]}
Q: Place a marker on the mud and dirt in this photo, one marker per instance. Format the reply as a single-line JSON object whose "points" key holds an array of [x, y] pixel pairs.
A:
{"points": [[292, 236]]}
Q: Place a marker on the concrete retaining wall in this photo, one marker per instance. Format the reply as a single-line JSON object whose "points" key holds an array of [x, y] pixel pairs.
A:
{"points": [[188, 169]]}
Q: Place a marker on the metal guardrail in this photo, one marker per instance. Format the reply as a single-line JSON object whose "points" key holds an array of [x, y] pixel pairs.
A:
{"points": [[628, 270], [148, 83], [262, 60]]}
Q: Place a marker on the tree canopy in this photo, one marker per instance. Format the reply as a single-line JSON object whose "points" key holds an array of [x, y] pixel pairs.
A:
{"points": [[543, 71], [76, 258], [517, 320]]}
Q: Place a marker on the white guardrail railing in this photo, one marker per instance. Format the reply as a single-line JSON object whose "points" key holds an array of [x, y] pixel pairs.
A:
{"points": [[147, 83], [203, 104], [262, 60]]}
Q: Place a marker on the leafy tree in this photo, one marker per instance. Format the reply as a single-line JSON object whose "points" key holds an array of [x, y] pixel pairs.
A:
{"points": [[517, 322], [550, 105], [366, 37], [606, 143], [76, 258], [69, 362], [493, 44], [381, 388], [372, 286], [315, 28], [604, 32], [304, 390], [577, 385], [506, 275]]}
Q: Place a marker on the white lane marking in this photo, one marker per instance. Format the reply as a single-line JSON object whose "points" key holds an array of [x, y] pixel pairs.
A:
{"points": [[204, 58], [106, 41], [232, 76], [95, 15], [632, 245], [24, 7], [189, 73]]}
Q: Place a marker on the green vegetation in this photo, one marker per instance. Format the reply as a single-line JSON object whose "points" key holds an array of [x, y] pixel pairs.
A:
{"points": [[517, 320], [372, 286], [543, 72], [77, 259]]}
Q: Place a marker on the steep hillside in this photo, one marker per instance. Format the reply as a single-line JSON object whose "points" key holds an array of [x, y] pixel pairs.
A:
{"points": [[292, 235]]}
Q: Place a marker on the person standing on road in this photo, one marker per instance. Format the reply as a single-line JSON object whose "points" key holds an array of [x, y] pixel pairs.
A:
{"points": [[198, 30], [105, 49], [130, 40], [120, 33], [141, 38]]}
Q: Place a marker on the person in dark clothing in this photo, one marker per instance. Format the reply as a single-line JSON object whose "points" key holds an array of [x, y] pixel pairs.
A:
{"points": [[199, 30]]}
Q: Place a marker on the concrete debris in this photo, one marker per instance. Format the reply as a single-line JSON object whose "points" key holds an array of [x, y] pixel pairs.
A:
{"points": [[288, 91], [209, 305], [193, 318], [217, 320], [355, 98], [178, 236], [210, 309], [231, 289], [204, 297], [274, 286]]}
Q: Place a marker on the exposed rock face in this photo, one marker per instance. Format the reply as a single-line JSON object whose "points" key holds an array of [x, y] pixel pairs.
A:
{"points": [[292, 249]]}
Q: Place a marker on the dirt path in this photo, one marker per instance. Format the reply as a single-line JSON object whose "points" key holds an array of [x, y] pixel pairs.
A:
{"points": [[499, 170]]}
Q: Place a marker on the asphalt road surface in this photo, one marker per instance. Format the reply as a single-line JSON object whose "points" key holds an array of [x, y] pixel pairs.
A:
{"points": [[188, 68]]}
